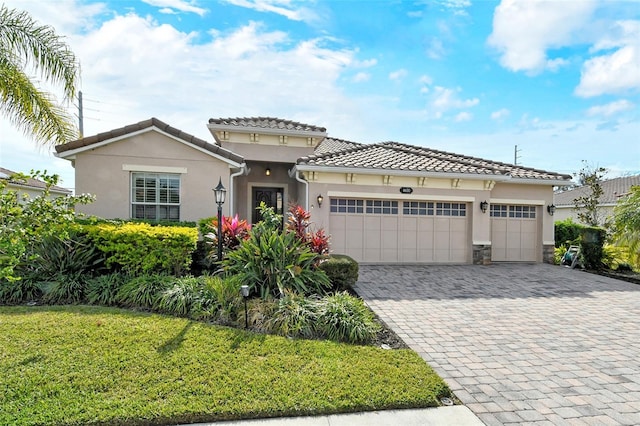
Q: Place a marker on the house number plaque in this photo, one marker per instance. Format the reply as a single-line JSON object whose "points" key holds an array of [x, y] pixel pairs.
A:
{"points": [[406, 190]]}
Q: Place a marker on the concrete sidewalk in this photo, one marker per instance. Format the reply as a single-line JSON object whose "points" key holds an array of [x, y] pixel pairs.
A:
{"points": [[457, 415]]}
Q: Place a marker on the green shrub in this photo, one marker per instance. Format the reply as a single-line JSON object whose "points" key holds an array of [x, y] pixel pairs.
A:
{"points": [[616, 258], [558, 253], [103, 289], [567, 232], [144, 291], [259, 312], [64, 289], [67, 253], [18, 291], [219, 299], [342, 271], [344, 318], [25, 224], [591, 244], [139, 248], [271, 261], [179, 298], [294, 316], [94, 220]]}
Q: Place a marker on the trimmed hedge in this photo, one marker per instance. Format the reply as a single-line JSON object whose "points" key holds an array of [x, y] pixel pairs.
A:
{"points": [[139, 248], [567, 232], [342, 271]]}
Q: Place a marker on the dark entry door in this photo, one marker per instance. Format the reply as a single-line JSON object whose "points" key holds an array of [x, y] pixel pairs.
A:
{"points": [[272, 197]]}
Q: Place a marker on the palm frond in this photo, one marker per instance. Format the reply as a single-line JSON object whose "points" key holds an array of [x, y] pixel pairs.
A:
{"points": [[32, 111], [40, 47]]}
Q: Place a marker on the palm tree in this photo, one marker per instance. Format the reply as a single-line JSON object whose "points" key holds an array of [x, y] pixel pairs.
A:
{"points": [[27, 46]]}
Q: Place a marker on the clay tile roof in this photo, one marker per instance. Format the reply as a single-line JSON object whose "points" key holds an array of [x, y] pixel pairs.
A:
{"points": [[31, 183], [152, 122], [612, 190], [267, 123], [397, 156], [333, 145]]}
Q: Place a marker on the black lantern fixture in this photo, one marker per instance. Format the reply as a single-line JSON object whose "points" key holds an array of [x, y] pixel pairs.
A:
{"points": [[551, 209], [244, 290], [320, 199], [221, 194], [484, 206], [267, 171]]}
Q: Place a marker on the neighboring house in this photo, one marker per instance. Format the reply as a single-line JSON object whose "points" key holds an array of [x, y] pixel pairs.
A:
{"points": [[612, 190], [31, 187], [381, 203]]}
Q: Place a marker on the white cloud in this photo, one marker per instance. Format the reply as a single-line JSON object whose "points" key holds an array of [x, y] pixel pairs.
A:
{"points": [[436, 49], [425, 79], [533, 124], [612, 108], [172, 5], [523, 31], [500, 114], [446, 99], [367, 63], [617, 72], [361, 77], [463, 116], [398, 75], [457, 6], [280, 7]]}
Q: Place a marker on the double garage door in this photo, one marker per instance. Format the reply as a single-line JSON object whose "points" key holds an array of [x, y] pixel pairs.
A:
{"points": [[400, 231]]}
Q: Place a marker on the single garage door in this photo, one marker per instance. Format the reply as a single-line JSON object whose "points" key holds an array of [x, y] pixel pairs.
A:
{"points": [[514, 233], [390, 231]]}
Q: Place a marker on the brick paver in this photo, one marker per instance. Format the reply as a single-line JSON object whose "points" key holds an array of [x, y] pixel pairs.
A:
{"points": [[519, 343]]}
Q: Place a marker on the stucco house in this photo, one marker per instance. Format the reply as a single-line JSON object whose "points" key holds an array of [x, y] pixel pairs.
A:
{"points": [[381, 203], [31, 188], [612, 191]]}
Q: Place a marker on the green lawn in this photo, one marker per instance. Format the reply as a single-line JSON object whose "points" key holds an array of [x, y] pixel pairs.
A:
{"points": [[92, 365]]}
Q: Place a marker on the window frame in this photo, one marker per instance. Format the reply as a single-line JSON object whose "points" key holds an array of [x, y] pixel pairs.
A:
{"points": [[166, 193]]}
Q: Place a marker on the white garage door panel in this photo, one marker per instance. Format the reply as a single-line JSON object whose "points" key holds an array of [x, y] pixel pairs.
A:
{"points": [[400, 237], [390, 239], [372, 239], [354, 236], [514, 233]]}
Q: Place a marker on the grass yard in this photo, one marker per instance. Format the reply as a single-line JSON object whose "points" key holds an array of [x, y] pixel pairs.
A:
{"points": [[78, 365]]}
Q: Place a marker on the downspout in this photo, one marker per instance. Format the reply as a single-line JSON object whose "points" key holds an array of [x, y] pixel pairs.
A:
{"points": [[295, 173], [244, 170]]}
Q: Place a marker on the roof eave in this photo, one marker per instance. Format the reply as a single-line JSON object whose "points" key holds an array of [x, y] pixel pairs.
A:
{"points": [[396, 172], [71, 154]]}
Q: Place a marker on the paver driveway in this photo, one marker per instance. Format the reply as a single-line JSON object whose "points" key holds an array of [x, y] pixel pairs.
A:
{"points": [[519, 344]]}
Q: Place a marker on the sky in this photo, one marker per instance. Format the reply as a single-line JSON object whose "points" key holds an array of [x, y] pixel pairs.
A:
{"points": [[553, 85]]}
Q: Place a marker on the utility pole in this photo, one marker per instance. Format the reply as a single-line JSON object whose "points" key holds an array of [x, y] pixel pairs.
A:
{"points": [[516, 156], [80, 116]]}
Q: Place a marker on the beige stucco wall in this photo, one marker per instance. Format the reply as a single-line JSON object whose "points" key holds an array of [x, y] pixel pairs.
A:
{"points": [[100, 171], [26, 193], [566, 212], [268, 148]]}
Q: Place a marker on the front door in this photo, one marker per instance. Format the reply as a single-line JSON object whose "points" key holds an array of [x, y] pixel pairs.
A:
{"points": [[272, 197]]}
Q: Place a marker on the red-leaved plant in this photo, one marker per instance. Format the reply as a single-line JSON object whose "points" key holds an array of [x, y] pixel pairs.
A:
{"points": [[298, 221], [234, 231]]}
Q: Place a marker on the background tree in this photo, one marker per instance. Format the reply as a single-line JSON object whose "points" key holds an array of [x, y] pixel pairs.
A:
{"points": [[586, 206], [626, 223], [29, 47]]}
